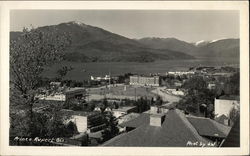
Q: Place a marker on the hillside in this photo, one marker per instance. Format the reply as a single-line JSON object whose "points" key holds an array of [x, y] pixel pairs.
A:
{"points": [[169, 43], [226, 48], [93, 44], [221, 48]]}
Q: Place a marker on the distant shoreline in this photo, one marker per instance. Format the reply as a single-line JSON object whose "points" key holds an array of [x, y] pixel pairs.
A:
{"points": [[83, 71]]}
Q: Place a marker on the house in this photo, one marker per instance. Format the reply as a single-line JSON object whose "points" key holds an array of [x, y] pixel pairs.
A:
{"points": [[209, 129], [177, 84], [211, 86], [224, 106], [176, 92], [170, 129], [108, 109], [74, 93], [223, 119], [86, 122], [179, 73], [123, 111], [105, 78], [97, 109], [55, 83]]}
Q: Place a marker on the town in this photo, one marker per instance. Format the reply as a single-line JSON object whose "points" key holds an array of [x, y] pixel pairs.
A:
{"points": [[198, 107], [125, 78]]}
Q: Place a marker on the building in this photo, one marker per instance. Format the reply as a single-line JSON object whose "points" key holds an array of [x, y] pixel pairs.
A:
{"points": [[223, 106], [55, 97], [55, 83], [123, 111], [89, 122], [105, 78], [211, 86], [75, 93], [71, 93], [144, 80], [170, 129], [180, 73]]}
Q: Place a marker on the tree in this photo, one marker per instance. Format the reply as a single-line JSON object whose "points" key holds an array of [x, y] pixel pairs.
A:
{"points": [[197, 95], [195, 83], [30, 54], [158, 103], [48, 123], [104, 105], [63, 71], [112, 129], [234, 114]]}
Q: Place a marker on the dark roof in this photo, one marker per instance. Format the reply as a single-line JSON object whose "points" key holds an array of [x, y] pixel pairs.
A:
{"points": [[79, 113], [230, 97], [140, 120], [208, 127], [175, 131], [233, 138], [75, 90]]}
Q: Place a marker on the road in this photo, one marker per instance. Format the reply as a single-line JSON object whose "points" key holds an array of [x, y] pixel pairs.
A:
{"points": [[166, 97]]}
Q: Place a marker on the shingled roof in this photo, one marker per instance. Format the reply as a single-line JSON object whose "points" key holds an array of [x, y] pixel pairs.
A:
{"points": [[208, 127], [176, 131], [140, 120]]}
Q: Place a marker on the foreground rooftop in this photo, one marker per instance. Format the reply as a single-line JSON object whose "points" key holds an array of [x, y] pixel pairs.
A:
{"points": [[177, 130]]}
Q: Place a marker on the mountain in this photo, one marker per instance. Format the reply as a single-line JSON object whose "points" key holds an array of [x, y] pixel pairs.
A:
{"points": [[14, 35], [226, 48], [201, 43], [169, 43], [93, 44]]}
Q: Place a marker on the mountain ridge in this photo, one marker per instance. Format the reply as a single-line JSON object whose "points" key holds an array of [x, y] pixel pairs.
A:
{"points": [[93, 44], [228, 47]]}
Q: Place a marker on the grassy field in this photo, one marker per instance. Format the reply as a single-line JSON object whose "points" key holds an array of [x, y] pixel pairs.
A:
{"points": [[124, 91], [83, 71]]}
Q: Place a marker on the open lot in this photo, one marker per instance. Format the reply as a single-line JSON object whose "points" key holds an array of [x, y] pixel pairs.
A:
{"points": [[120, 92]]}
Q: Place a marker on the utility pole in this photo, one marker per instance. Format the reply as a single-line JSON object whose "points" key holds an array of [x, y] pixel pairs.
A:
{"points": [[135, 94], [109, 80]]}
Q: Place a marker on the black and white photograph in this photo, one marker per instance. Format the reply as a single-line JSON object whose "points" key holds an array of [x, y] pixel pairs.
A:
{"points": [[125, 78]]}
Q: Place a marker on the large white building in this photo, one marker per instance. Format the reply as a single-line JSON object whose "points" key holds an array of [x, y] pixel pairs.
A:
{"points": [[223, 107], [70, 93], [144, 80]]}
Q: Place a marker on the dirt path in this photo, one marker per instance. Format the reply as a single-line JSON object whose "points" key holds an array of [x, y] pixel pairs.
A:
{"points": [[165, 97]]}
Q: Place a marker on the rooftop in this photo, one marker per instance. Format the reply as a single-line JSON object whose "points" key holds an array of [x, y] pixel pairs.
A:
{"points": [[230, 97], [175, 131], [126, 108], [208, 127], [68, 90], [79, 113]]}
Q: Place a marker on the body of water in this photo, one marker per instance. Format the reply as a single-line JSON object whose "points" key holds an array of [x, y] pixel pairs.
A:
{"points": [[83, 71]]}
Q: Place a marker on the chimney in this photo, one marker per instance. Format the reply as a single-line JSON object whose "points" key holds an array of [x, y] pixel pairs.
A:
{"points": [[157, 119]]}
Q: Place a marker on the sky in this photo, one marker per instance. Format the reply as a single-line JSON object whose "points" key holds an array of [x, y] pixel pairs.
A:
{"points": [[186, 25]]}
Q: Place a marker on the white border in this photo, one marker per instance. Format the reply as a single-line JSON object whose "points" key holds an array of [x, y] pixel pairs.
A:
{"points": [[242, 6]]}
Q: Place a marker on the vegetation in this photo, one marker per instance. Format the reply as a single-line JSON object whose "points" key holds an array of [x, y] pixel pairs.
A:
{"points": [[199, 100], [112, 129], [29, 56], [234, 115], [196, 96], [63, 71]]}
